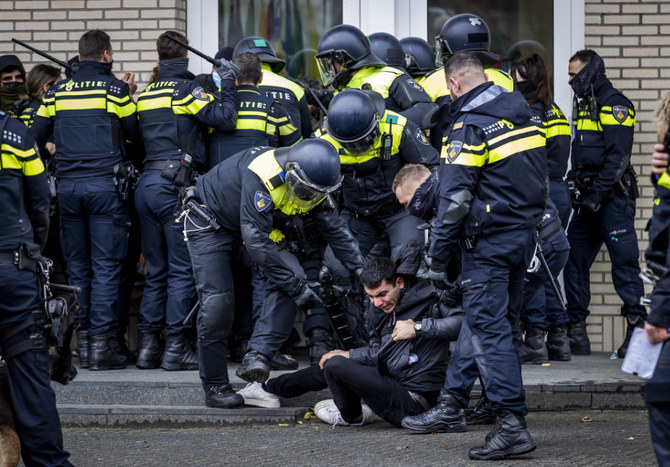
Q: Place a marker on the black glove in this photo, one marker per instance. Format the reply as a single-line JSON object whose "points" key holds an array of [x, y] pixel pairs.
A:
{"points": [[226, 69], [592, 203], [356, 275], [438, 275], [307, 297]]}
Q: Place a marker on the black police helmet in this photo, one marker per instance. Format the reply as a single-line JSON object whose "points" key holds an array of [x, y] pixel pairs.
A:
{"points": [[352, 119], [261, 47], [388, 48], [419, 56], [466, 32], [348, 47], [318, 163]]}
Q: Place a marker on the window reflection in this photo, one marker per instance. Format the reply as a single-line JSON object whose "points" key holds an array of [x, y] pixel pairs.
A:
{"points": [[293, 27], [518, 27]]}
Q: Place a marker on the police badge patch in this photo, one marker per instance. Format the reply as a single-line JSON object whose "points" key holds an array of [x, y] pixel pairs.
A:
{"points": [[262, 201], [414, 84], [453, 150], [620, 113], [200, 94], [421, 137]]}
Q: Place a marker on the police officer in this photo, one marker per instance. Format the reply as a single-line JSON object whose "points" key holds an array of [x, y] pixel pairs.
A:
{"points": [[24, 196], [419, 57], [170, 111], [39, 80], [289, 93], [261, 121], [374, 143], [234, 204], [492, 196], [345, 60], [92, 115], [388, 48], [605, 208]]}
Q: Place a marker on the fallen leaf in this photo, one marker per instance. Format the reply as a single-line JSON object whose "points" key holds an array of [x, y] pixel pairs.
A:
{"points": [[283, 424], [630, 438], [546, 364], [299, 422], [587, 419], [309, 415], [401, 447]]}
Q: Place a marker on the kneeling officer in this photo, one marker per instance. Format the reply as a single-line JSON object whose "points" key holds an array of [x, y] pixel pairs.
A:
{"points": [[234, 206]]}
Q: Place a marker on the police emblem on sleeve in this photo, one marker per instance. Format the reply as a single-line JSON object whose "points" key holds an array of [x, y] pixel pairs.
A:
{"points": [[200, 94], [414, 84], [620, 113], [421, 137], [453, 150], [262, 201]]}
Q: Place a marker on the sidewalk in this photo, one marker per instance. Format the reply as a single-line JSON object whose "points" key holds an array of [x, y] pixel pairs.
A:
{"points": [[136, 396]]}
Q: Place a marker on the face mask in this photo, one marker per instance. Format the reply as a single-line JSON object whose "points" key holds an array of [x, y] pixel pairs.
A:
{"points": [[11, 94], [107, 67], [420, 205], [592, 72], [525, 87], [180, 62], [217, 79]]}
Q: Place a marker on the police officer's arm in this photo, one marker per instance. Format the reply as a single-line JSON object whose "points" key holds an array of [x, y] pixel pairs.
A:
{"points": [[416, 149], [411, 98], [221, 114], [458, 178], [305, 118], [121, 104], [42, 126], [281, 130], [447, 326], [336, 232], [618, 123], [256, 224]]}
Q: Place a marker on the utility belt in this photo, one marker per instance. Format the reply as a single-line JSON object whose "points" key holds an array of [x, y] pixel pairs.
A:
{"points": [[625, 187], [26, 257], [179, 172], [160, 165], [125, 178], [202, 212], [546, 231]]}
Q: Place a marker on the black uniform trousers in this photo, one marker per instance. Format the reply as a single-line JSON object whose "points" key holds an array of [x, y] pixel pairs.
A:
{"points": [[657, 395], [33, 399], [349, 381]]}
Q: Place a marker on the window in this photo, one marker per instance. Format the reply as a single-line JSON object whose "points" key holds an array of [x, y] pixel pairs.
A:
{"points": [[293, 27]]}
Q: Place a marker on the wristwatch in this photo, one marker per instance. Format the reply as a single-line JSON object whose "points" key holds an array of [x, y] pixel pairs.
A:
{"points": [[417, 329]]}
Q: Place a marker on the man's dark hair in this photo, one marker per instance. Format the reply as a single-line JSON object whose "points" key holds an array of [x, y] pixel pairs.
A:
{"points": [[92, 45], [461, 61], [376, 270], [250, 68], [584, 56], [168, 49]]}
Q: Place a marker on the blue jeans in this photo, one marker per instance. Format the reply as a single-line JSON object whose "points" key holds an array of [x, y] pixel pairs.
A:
{"points": [[614, 225], [94, 227], [170, 288]]}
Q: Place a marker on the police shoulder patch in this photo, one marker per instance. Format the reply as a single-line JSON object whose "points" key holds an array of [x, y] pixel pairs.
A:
{"points": [[200, 94], [331, 203], [414, 84], [453, 150], [620, 113], [421, 137], [262, 201]]}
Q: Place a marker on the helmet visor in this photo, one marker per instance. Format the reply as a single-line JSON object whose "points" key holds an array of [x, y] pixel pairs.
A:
{"points": [[442, 54], [327, 68], [303, 193], [362, 145]]}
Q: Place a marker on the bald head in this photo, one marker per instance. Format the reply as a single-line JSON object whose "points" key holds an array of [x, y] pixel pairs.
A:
{"points": [[464, 72], [407, 180]]}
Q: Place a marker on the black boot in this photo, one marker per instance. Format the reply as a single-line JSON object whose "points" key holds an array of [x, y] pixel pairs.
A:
{"points": [[222, 397], [579, 339], [104, 353], [283, 362], [150, 351], [178, 354], [320, 342], [121, 346], [558, 345], [82, 347], [255, 367], [237, 349], [483, 413], [446, 417], [533, 349], [508, 438], [632, 321]]}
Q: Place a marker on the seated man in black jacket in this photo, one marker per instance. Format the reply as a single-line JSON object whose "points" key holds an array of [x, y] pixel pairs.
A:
{"points": [[400, 377]]}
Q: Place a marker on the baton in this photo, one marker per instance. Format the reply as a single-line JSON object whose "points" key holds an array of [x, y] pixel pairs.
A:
{"points": [[543, 260], [189, 317], [216, 63], [65, 288], [43, 54]]}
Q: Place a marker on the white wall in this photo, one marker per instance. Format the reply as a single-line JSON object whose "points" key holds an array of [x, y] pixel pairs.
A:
{"points": [[568, 38]]}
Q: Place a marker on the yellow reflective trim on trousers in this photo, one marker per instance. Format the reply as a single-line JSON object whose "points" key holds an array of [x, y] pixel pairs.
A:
{"points": [[93, 103], [510, 134], [164, 102], [514, 147], [664, 180]]}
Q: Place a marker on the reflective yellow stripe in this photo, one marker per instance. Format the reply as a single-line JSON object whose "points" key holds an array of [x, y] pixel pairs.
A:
{"points": [[263, 115], [511, 134], [271, 78], [192, 108], [514, 147], [92, 103], [26, 161], [250, 124], [123, 110], [664, 180], [286, 129], [557, 128], [164, 102], [608, 119], [588, 125]]}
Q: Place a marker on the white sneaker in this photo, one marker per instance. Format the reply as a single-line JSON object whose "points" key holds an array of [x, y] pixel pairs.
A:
{"points": [[327, 412], [254, 394]]}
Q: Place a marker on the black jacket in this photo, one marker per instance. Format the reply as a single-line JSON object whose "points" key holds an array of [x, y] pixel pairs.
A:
{"points": [[658, 251], [439, 326]]}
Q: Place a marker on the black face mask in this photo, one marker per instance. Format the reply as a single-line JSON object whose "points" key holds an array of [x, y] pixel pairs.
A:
{"points": [[180, 62], [107, 67], [525, 87], [592, 72], [10, 93], [421, 204]]}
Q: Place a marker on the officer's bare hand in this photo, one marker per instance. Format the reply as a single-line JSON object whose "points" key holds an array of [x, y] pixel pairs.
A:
{"points": [[129, 78], [659, 160], [331, 354], [656, 335], [51, 147], [403, 330]]}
